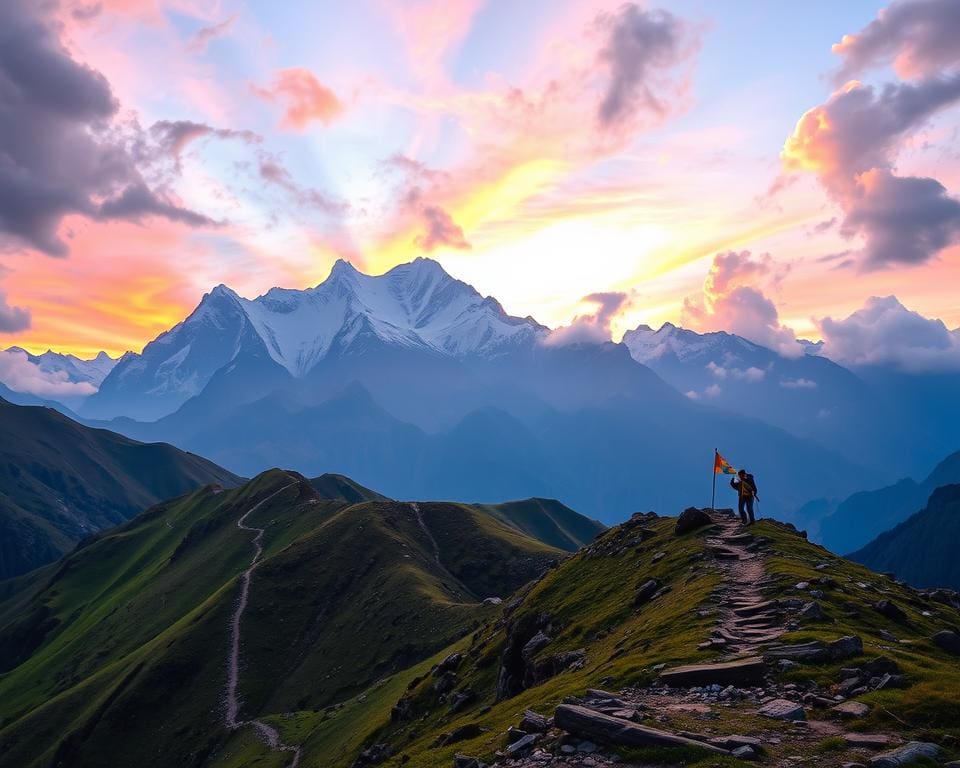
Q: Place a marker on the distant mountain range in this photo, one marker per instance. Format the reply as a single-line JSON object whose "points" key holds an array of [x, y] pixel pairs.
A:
{"points": [[866, 514], [61, 481], [922, 550], [421, 387], [416, 385]]}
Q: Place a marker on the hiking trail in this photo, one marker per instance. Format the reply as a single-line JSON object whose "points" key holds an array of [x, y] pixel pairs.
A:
{"points": [[266, 733], [746, 619]]}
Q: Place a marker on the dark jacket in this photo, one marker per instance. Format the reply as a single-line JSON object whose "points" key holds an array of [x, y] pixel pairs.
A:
{"points": [[746, 488]]}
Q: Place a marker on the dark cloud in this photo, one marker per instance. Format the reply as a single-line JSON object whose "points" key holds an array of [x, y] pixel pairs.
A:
{"points": [[60, 153], [204, 36], [919, 37], [642, 48], [13, 319], [851, 142], [885, 332], [907, 220], [172, 137], [440, 230]]}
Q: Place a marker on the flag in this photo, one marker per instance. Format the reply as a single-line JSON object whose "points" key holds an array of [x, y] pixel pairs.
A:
{"points": [[721, 466]]}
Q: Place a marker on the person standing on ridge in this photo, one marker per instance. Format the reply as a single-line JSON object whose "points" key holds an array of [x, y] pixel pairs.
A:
{"points": [[746, 488]]}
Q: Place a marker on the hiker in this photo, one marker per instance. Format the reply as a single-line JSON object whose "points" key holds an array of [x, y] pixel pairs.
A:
{"points": [[746, 488]]}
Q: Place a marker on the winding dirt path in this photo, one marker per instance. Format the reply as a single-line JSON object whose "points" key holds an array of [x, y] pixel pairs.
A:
{"points": [[747, 620], [266, 733], [426, 531]]}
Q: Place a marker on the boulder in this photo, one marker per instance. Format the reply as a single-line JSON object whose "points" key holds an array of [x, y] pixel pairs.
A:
{"points": [[881, 665], [646, 591], [949, 641], [461, 699], [905, 755], [782, 709], [531, 722], [690, 520], [586, 723], [891, 610], [812, 612], [522, 745], [845, 647], [849, 709], [742, 672], [745, 753], [813, 651], [449, 664], [533, 645], [735, 741], [461, 733], [466, 761], [867, 740]]}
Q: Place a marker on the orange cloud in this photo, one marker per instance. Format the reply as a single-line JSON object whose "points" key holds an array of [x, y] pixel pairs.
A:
{"points": [[303, 96]]}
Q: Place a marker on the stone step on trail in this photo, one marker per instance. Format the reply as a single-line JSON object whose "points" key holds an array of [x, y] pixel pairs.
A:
{"points": [[742, 672], [586, 723]]}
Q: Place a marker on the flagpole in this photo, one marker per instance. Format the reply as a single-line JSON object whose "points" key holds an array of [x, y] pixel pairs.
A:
{"points": [[713, 471]]}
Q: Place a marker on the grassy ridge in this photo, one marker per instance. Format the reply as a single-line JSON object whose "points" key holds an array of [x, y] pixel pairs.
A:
{"points": [[116, 653]]}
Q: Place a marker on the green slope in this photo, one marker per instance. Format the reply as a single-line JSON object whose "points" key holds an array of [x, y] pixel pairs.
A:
{"points": [[922, 549], [334, 486], [61, 481], [116, 655], [548, 520], [587, 603]]}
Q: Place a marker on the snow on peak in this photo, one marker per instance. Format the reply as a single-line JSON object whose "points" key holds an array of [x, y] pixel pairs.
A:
{"points": [[646, 344], [414, 305]]}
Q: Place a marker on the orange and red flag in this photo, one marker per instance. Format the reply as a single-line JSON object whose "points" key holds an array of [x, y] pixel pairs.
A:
{"points": [[721, 466]]}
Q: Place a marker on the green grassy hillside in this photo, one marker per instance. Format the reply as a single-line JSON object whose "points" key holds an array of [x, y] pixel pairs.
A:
{"points": [[548, 520], [61, 481], [588, 605], [116, 655]]}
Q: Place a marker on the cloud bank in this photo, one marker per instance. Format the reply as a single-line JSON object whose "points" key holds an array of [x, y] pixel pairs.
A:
{"points": [[885, 332], [593, 328], [21, 375]]}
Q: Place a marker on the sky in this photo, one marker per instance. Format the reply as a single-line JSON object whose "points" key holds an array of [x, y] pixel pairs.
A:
{"points": [[764, 168]]}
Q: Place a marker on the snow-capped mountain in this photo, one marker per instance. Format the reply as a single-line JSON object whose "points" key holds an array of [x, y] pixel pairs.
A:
{"points": [[73, 368], [809, 395], [415, 306]]}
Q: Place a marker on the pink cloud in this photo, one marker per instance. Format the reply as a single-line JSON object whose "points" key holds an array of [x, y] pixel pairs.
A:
{"points": [[303, 97], [733, 302]]}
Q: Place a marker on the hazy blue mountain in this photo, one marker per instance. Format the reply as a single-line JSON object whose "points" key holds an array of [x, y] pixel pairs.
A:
{"points": [[61, 481], [866, 514], [414, 384], [808, 395], [921, 550]]}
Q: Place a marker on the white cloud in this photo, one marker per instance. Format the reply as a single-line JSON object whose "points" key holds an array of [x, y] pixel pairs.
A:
{"points": [[884, 332], [20, 375], [749, 374]]}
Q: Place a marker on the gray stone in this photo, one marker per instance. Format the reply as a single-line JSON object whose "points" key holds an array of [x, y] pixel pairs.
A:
{"points": [[891, 610], [812, 611], [949, 641], [905, 755], [533, 645], [845, 647], [782, 709], [461, 733], [851, 709], [735, 741], [867, 740], [812, 651], [466, 761], [745, 753], [522, 745], [749, 671], [586, 723], [690, 520], [531, 722], [646, 591]]}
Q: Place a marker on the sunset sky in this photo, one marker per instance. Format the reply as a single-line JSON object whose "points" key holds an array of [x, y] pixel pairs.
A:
{"points": [[705, 163]]}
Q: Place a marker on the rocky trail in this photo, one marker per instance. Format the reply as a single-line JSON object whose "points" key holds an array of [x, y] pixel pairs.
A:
{"points": [[747, 620], [740, 704], [266, 733]]}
